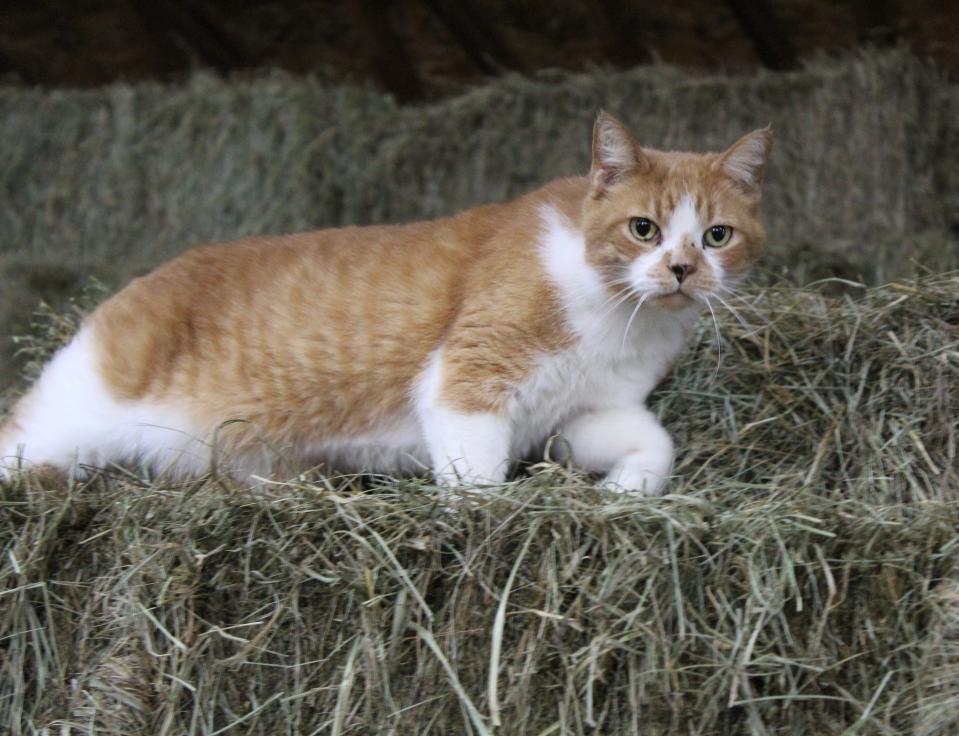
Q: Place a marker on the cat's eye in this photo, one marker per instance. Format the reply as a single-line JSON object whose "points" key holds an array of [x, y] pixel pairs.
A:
{"points": [[643, 228], [717, 236]]}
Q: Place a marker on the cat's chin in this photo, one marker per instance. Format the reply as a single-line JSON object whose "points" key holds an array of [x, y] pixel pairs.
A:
{"points": [[672, 302]]}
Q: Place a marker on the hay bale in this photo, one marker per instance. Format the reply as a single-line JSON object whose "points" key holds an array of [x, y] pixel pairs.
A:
{"points": [[864, 149], [792, 582]]}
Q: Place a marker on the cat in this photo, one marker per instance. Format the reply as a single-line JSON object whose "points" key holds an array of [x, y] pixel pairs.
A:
{"points": [[454, 345]]}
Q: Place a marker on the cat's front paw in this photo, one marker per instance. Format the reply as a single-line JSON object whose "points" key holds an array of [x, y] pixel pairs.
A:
{"points": [[633, 480]]}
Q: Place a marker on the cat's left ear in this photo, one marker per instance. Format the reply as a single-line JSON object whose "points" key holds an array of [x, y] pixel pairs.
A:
{"points": [[745, 161]]}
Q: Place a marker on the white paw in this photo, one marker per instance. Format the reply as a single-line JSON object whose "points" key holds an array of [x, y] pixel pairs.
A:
{"points": [[467, 450], [460, 477], [633, 481], [629, 442]]}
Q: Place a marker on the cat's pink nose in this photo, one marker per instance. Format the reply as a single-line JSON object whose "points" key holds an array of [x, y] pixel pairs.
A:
{"points": [[682, 270]]}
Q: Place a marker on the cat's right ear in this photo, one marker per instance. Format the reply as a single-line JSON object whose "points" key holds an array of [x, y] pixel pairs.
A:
{"points": [[745, 161], [615, 153]]}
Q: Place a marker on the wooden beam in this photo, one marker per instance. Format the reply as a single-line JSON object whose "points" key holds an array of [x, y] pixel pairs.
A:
{"points": [[478, 39], [877, 22], [617, 27], [760, 24], [168, 52], [390, 58], [209, 35], [172, 25]]}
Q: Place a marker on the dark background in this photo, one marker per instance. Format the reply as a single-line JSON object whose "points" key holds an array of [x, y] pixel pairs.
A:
{"points": [[424, 49]]}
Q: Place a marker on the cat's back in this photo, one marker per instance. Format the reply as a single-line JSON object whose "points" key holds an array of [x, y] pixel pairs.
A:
{"points": [[348, 296], [259, 312]]}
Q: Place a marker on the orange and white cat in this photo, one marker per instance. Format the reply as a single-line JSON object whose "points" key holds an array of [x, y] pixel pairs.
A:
{"points": [[455, 345]]}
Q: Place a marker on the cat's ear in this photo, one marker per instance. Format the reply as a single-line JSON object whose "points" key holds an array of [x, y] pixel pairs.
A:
{"points": [[745, 160], [615, 153]]}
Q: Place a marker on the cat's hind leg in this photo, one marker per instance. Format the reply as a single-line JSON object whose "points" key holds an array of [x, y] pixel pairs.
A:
{"points": [[628, 444], [70, 419]]}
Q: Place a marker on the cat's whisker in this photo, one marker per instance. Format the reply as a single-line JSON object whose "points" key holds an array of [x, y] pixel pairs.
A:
{"points": [[611, 303], [719, 339], [632, 316], [746, 326], [732, 292], [619, 296], [615, 301], [589, 290]]}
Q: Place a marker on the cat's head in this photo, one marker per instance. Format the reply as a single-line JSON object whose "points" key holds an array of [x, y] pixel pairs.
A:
{"points": [[673, 227]]}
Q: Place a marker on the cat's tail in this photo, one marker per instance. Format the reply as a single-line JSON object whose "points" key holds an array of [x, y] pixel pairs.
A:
{"points": [[61, 422], [47, 428], [71, 421]]}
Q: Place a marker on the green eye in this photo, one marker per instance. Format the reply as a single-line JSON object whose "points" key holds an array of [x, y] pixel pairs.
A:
{"points": [[643, 229], [717, 236]]}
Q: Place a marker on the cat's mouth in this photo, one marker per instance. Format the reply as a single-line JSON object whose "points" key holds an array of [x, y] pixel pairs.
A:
{"points": [[673, 299]]}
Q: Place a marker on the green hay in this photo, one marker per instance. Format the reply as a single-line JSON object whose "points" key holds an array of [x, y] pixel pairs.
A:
{"points": [[799, 579], [865, 148]]}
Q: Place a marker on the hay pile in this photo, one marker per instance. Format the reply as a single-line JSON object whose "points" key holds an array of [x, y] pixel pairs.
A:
{"points": [[800, 579]]}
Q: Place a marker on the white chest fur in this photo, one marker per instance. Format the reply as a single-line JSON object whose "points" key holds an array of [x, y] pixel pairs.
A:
{"points": [[601, 371], [621, 352]]}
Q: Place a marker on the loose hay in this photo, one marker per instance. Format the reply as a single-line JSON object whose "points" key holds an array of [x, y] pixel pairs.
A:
{"points": [[800, 579]]}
